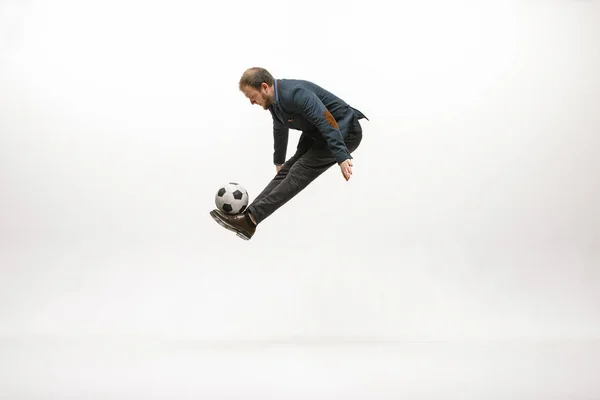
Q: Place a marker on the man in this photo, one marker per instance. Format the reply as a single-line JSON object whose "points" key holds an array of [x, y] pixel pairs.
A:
{"points": [[330, 133]]}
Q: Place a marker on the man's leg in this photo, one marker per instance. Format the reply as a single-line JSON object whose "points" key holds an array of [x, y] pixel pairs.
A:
{"points": [[277, 179], [304, 145], [301, 173], [307, 167]]}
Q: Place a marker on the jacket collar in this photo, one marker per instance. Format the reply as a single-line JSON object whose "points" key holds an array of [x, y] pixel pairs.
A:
{"points": [[276, 89]]}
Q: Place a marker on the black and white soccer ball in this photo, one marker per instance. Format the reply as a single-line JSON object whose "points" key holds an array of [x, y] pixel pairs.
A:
{"points": [[232, 198]]}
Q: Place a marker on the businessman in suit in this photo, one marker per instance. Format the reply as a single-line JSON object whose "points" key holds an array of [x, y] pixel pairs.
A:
{"points": [[330, 133]]}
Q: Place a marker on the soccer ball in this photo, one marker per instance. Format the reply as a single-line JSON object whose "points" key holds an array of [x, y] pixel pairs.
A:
{"points": [[231, 198]]}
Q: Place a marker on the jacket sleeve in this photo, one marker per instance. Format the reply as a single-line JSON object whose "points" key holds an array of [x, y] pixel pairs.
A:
{"points": [[280, 142], [312, 108]]}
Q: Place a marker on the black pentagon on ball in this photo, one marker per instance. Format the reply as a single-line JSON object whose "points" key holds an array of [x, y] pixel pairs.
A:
{"points": [[237, 194], [221, 192], [227, 207]]}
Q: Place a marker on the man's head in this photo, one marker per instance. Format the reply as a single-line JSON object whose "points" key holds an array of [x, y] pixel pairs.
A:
{"points": [[257, 84]]}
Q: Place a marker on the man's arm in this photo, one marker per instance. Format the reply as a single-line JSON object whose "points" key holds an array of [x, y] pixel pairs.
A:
{"points": [[313, 109], [280, 142]]}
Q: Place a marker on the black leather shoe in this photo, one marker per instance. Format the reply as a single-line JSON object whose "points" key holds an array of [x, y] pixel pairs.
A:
{"points": [[234, 222]]}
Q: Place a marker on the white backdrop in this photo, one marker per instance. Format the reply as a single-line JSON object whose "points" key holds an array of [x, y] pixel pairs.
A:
{"points": [[472, 214]]}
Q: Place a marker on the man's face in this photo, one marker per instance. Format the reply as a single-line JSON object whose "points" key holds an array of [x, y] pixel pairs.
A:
{"points": [[263, 97]]}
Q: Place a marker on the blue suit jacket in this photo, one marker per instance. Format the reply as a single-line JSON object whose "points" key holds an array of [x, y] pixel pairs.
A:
{"points": [[318, 113]]}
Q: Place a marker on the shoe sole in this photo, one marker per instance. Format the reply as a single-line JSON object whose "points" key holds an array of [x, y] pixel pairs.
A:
{"points": [[225, 225]]}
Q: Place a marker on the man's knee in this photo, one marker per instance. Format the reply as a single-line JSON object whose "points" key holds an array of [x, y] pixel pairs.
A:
{"points": [[353, 141]]}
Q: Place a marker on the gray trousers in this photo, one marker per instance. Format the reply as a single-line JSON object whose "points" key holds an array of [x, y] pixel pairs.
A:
{"points": [[309, 162]]}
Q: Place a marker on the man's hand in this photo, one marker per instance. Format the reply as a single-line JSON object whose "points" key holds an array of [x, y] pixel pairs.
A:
{"points": [[277, 168], [346, 167]]}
